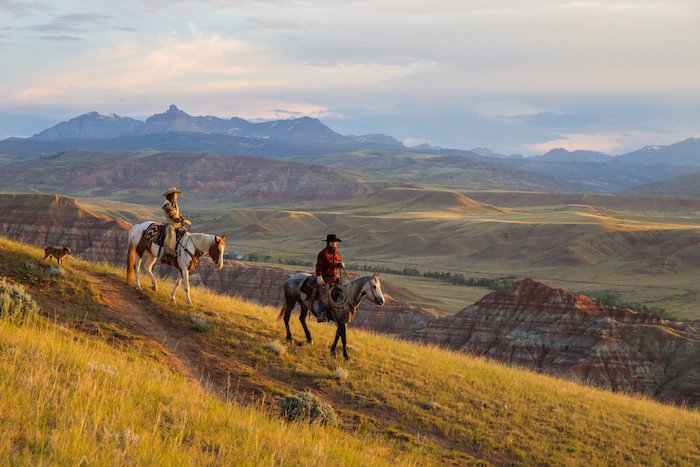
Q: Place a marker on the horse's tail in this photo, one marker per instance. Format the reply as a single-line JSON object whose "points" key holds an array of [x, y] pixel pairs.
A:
{"points": [[130, 258], [283, 308]]}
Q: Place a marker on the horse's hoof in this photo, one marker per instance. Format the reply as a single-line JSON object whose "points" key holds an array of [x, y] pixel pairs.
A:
{"points": [[191, 305], [172, 299], [139, 289], [310, 341], [333, 354], [289, 339], [154, 288], [347, 358]]}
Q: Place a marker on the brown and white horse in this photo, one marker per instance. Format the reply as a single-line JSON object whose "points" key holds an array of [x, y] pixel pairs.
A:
{"points": [[190, 248]]}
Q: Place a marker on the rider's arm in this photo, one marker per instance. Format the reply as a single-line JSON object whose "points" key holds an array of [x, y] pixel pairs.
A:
{"points": [[172, 213]]}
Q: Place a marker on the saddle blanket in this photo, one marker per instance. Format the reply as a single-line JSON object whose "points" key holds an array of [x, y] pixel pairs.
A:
{"points": [[155, 233]]}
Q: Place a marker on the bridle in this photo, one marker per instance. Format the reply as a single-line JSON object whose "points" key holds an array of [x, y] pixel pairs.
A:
{"points": [[372, 290]]}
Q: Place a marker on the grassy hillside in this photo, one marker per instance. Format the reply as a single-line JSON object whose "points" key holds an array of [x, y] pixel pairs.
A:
{"points": [[97, 386]]}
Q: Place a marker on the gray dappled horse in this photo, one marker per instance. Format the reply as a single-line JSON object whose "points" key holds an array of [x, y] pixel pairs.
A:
{"points": [[356, 291]]}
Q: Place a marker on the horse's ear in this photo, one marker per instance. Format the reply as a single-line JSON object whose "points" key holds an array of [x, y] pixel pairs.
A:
{"points": [[375, 274], [224, 237]]}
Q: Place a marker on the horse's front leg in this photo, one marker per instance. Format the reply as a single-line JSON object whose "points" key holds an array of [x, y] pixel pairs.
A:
{"points": [[177, 284], [302, 318], [186, 284], [288, 307], [148, 266], [335, 342], [343, 336], [137, 266]]}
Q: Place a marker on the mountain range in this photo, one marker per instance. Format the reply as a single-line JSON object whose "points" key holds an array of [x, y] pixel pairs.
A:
{"points": [[308, 138], [310, 130]]}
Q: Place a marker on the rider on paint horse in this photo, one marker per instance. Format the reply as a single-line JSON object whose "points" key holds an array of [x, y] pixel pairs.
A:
{"points": [[328, 267], [173, 218]]}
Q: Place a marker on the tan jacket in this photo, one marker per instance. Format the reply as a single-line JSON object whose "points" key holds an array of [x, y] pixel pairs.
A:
{"points": [[172, 213]]}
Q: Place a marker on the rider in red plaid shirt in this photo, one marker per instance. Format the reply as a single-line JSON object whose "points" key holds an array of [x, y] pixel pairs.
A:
{"points": [[328, 266]]}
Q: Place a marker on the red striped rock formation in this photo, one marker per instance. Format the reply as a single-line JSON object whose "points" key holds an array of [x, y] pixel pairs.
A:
{"points": [[44, 220], [549, 329]]}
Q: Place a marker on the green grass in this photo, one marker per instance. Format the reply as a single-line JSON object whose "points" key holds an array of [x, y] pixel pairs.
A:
{"points": [[68, 395]]}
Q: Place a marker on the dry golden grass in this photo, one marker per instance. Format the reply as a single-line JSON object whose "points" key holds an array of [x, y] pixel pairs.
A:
{"points": [[66, 395]]}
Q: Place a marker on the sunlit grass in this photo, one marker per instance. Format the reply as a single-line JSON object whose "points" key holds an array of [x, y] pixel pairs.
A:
{"points": [[430, 405], [69, 400]]}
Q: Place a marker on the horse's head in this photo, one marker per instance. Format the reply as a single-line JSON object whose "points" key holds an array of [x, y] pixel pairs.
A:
{"points": [[216, 251], [373, 290]]}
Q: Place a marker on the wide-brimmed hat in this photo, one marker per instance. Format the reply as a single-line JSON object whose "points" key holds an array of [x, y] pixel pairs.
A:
{"points": [[171, 191], [332, 238]]}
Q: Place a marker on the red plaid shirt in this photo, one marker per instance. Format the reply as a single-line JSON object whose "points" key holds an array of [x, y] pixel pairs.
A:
{"points": [[327, 264]]}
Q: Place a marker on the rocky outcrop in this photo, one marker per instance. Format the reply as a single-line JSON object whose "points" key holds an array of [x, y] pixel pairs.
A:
{"points": [[53, 220], [551, 330]]}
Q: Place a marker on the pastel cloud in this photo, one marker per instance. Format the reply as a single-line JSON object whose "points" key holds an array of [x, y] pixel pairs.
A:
{"points": [[511, 75]]}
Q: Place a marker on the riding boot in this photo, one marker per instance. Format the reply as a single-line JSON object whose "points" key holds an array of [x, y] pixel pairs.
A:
{"points": [[321, 317]]}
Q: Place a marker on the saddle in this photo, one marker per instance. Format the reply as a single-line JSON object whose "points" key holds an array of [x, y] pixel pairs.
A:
{"points": [[309, 285]]}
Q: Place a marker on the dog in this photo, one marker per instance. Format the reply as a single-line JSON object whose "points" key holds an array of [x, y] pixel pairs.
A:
{"points": [[58, 253]]}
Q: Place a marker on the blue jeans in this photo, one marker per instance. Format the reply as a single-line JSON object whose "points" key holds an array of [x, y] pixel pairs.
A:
{"points": [[320, 310]]}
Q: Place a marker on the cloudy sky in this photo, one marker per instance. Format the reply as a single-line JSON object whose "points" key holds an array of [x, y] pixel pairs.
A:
{"points": [[511, 75]]}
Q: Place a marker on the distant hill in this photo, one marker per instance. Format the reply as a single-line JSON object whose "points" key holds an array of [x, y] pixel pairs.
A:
{"points": [[684, 153], [684, 185], [142, 177], [454, 172], [614, 176], [562, 155], [395, 200]]}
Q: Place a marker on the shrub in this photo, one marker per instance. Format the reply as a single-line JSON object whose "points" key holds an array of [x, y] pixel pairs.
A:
{"points": [[277, 346], [340, 373], [200, 323], [15, 301], [306, 406]]}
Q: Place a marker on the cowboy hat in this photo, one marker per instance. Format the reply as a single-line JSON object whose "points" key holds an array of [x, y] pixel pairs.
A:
{"points": [[171, 191], [332, 238]]}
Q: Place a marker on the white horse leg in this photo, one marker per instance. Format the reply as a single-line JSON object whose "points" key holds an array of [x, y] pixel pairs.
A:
{"points": [[137, 266], [148, 266], [177, 284], [186, 277]]}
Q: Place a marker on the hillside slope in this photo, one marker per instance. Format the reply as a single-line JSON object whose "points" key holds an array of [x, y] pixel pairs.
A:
{"points": [[400, 403], [453, 172], [207, 179], [684, 185]]}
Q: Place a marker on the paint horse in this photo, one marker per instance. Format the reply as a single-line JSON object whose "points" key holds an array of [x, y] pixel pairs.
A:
{"points": [[357, 290], [189, 249]]}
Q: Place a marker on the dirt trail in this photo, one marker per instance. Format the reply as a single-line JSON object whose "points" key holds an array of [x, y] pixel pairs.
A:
{"points": [[186, 353]]}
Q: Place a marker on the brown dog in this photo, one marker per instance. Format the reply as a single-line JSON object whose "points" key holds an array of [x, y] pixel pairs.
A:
{"points": [[58, 253]]}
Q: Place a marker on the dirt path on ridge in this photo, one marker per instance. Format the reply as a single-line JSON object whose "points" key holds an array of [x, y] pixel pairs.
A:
{"points": [[200, 361]]}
